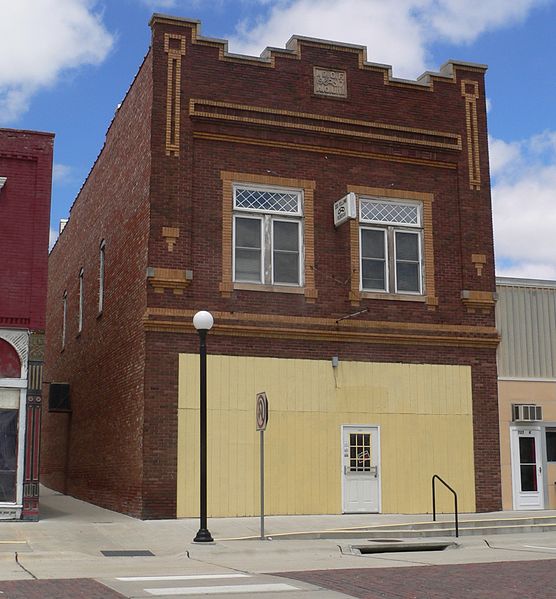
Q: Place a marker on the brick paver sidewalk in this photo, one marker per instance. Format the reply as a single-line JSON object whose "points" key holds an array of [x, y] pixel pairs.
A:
{"points": [[503, 580], [74, 588]]}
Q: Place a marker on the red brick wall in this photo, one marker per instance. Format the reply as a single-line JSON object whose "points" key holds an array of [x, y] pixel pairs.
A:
{"points": [[186, 193], [26, 160], [104, 364], [192, 190]]}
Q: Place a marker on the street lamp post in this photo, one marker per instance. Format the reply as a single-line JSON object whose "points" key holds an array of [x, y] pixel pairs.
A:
{"points": [[203, 322]]}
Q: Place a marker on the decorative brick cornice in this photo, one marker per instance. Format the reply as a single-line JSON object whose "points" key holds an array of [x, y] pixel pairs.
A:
{"points": [[171, 235], [479, 300], [169, 278], [325, 329], [294, 48], [319, 123]]}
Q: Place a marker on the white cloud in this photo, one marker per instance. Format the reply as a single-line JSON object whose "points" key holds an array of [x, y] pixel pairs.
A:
{"points": [[53, 238], [524, 196], [61, 172], [396, 32], [39, 39]]}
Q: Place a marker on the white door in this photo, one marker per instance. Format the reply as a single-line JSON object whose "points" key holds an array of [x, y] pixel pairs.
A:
{"points": [[527, 479], [360, 469]]}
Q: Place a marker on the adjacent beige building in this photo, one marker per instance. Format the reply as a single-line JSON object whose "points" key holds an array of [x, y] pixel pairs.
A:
{"points": [[526, 319]]}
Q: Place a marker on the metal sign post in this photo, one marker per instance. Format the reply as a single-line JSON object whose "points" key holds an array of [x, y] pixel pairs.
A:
{"points": [[261, 413]]}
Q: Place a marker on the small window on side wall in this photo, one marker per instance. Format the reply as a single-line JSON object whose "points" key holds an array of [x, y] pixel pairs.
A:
{"points": [[64, 317], [101, 270], [80, 312]]}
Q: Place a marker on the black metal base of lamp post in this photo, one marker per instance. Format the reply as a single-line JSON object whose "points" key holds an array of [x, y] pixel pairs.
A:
{"points": [[203, 536]]}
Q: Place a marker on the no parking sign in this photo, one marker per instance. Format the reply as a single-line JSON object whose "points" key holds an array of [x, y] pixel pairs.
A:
{"points": [[261, 411]]}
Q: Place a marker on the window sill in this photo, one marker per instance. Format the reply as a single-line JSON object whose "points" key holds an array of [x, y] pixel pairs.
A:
{"points": [[268, 288], [398, 297]]}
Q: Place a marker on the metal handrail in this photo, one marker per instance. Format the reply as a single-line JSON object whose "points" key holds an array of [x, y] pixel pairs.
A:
{"points": [[435, 476]]}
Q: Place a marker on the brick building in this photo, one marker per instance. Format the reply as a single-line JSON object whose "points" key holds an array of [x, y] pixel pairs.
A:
{"points": [[374, 339], [25, 183]]}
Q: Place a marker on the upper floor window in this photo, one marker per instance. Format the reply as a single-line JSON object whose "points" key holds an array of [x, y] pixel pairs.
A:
{"points": [[101, 264], [64, 317], [268, 235], [80, 313], [391, 242]]}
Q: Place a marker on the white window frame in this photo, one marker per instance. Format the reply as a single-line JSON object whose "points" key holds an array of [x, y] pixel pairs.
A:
{"points": [[80, 312], [391, 228], [267, 219], [101, 271]]}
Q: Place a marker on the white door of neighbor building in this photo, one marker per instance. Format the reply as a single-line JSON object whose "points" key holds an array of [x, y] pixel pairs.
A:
{"points": [[360, 469], [527, 477]]}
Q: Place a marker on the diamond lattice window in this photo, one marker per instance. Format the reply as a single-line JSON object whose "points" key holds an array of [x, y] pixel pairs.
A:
{"points": [[267, 201], [390, 213]]}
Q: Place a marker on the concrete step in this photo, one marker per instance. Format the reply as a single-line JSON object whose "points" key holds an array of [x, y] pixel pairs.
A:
{"points": [[444, 528]]}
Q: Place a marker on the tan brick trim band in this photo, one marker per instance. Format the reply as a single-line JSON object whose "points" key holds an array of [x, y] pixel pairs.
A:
{"points": [[270, 117], [323, 150], [173, 91], [256, 325], [470, 91]]}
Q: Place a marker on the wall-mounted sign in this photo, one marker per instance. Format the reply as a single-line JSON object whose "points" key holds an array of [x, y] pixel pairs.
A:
{"points": [[329, 83], [345, 209]]}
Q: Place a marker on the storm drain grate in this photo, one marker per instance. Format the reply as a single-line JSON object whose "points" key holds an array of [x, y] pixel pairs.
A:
{"points": [[128, 553]]}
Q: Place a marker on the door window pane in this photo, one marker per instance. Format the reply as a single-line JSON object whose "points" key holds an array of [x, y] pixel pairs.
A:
{"points": [[527, 450], [286, 252], [528, 477], [360, 452], [248, 250], [528, 463]]}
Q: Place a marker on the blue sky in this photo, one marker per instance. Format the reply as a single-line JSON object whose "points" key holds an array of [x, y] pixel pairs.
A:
{"points": [[66, 64]]}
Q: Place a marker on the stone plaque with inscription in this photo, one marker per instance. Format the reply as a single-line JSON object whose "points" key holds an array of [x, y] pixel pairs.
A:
{"points": [[330, 83]]}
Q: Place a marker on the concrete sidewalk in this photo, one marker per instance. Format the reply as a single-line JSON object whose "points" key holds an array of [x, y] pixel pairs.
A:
{"points": [[68, 540]]}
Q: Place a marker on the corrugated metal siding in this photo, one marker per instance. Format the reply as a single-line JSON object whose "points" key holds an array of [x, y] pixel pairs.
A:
{"points": [[526, 320]]}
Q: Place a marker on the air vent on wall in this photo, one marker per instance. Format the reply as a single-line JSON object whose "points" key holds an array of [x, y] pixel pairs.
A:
{"points": [[59, 397], [3, 181], [526, 412]]}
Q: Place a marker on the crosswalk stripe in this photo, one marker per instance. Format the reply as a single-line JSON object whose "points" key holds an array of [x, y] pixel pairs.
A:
{"points": [[185, 577], [240, 588]]}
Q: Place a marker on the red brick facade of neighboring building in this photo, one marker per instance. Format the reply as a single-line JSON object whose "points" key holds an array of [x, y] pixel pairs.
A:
{"points": [[25, 185], [315, 116]]}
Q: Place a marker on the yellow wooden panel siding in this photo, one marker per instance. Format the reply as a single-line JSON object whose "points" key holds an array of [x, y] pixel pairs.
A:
{"points": [[423, 410]]}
